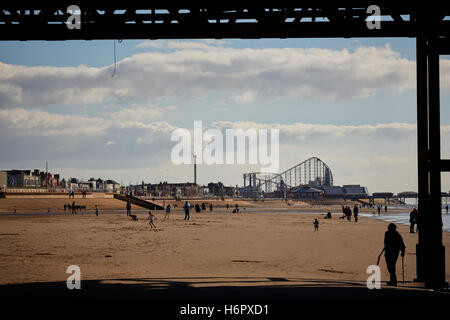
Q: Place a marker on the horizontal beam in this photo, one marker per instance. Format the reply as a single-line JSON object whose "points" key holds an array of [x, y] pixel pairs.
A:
{"points": [[134, 20]]}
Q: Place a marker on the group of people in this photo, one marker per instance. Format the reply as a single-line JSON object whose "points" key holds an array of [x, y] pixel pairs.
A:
{"points": [[72, 194], [236, 208], [203, 207], [379, 209], [73, 207], [347, 213], [151, 218], [187, 208]]}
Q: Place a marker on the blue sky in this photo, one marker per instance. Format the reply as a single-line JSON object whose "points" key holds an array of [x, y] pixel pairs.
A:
{"points": [[351, 102]]}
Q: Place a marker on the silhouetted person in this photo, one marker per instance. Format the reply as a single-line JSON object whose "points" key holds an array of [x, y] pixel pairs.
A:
{"points": [[203, 206], [96, 210], [74, 211], [167, 212], [446, 209], [128, 208], [210, 207], [228, 206], [65, 207], [393, 245], [328, 216], [379, 209], [385, 209], [412, 219], [316, 225], [355, 213], [186, 208]]}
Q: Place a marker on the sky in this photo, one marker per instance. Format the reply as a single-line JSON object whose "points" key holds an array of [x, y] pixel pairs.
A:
{"points": [[350, 102]]}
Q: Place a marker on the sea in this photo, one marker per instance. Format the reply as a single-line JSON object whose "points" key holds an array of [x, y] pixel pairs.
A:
{"points": [[403, 218]]}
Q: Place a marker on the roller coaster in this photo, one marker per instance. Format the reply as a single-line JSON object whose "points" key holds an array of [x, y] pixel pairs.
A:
{"points": [[311, 172]]}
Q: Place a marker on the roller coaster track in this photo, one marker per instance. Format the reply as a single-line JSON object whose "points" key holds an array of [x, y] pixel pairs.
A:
{"points": [[313, 172]]}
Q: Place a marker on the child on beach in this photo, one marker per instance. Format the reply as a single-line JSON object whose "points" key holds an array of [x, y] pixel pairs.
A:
{"points": [[151, 217], [316, 225]]}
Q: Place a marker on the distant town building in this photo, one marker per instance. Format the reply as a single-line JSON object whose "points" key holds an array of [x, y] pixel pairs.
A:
{"points": [[306, 192], [112, 186], [3, 179]]}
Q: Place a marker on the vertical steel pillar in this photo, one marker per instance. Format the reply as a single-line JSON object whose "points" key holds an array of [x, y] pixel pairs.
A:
{"points": [[430, 253]]}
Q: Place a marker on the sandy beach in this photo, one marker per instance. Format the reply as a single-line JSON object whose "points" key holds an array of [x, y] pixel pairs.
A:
{"points": [[268, 244]]}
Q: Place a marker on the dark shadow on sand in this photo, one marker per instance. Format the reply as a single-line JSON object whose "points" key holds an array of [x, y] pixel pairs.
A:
{"points": [[216, 289]]}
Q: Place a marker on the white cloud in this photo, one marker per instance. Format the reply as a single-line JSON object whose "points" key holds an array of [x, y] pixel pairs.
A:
{"points": [[298, 132], [110, 143], [206, 44], [86, 141], [196, 69], [246, 97], [141, 114]]}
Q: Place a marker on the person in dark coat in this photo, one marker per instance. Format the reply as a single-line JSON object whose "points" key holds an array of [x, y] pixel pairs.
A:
{"points": [[355, 213], [393, 245], [413, 219], [186, 208], [128, 208]]}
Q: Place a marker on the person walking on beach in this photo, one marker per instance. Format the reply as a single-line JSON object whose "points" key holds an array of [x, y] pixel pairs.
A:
{"points": [[228, 206], [349, 214], [393, 245], [385, 209], [151, 217], [412, 219], [316, 225], [210, 207], [379, 209], [203, 206], [74, 211], [446, 209], [166, 216], [355, 213], [186, 208], [96, 210], [128, 208]]}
